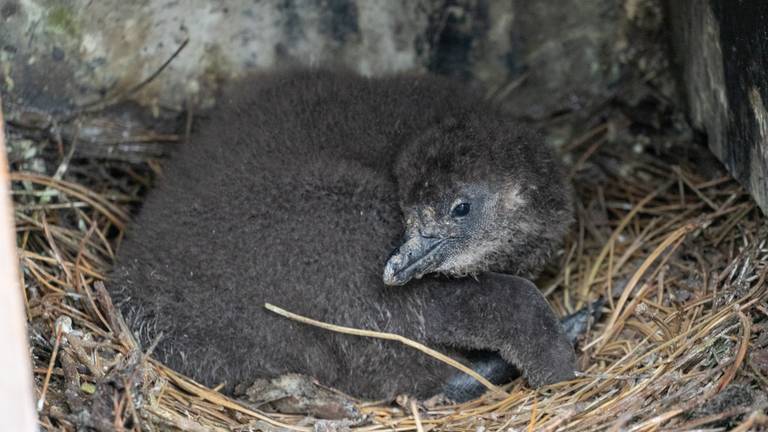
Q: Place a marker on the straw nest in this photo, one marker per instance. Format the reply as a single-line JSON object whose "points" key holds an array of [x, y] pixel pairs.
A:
{"points": [[679, 256]]}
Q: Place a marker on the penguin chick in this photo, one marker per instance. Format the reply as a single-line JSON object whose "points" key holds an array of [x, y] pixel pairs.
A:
{"points": [[294, 191]]}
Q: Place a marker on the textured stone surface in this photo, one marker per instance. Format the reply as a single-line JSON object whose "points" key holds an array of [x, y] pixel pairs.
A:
{"points": [[99, 47], [546, 57], [722, 51]]}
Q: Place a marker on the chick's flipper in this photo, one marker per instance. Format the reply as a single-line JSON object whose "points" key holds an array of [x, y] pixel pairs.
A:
{"points": [[506, 315]]}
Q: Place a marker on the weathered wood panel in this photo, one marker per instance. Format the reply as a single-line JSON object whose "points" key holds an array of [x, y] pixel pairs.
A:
{"points": [[722, 51], [16, 403]]}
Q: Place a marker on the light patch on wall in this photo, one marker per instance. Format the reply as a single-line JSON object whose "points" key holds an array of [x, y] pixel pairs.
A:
{"points": [[761, 116], [92, 45], [388, 30], [759, 157], [33, 11]]}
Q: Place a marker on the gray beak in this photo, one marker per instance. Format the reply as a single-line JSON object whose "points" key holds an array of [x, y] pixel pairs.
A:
{"points": [[416, 257]]}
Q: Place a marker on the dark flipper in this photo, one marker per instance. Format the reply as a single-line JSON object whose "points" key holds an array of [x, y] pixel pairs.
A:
{"points": [[503, 314], [461, 387]]}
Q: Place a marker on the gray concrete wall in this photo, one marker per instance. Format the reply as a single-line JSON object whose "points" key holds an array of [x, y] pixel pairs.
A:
{"points": [[551, 55]]}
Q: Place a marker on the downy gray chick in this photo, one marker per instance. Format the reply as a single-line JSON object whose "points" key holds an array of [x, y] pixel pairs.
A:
{"points": [[295, 190]]}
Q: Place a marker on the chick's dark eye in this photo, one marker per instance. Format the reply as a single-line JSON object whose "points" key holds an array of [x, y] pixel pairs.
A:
{"points": [[460, 210]]}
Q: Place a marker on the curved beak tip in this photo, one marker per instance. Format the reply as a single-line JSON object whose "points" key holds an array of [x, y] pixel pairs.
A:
{"points": [[393, 274], [413, 259]]}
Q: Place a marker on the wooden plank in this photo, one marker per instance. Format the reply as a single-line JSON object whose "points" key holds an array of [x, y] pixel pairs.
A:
{"points": [[721, 49], [16, 400]]}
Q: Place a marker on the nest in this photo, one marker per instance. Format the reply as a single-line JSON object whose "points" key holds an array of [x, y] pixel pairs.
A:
{"points": [[680, 259]]}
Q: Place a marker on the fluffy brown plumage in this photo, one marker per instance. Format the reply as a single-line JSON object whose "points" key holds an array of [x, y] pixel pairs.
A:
{"points": [[294, 191]]}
